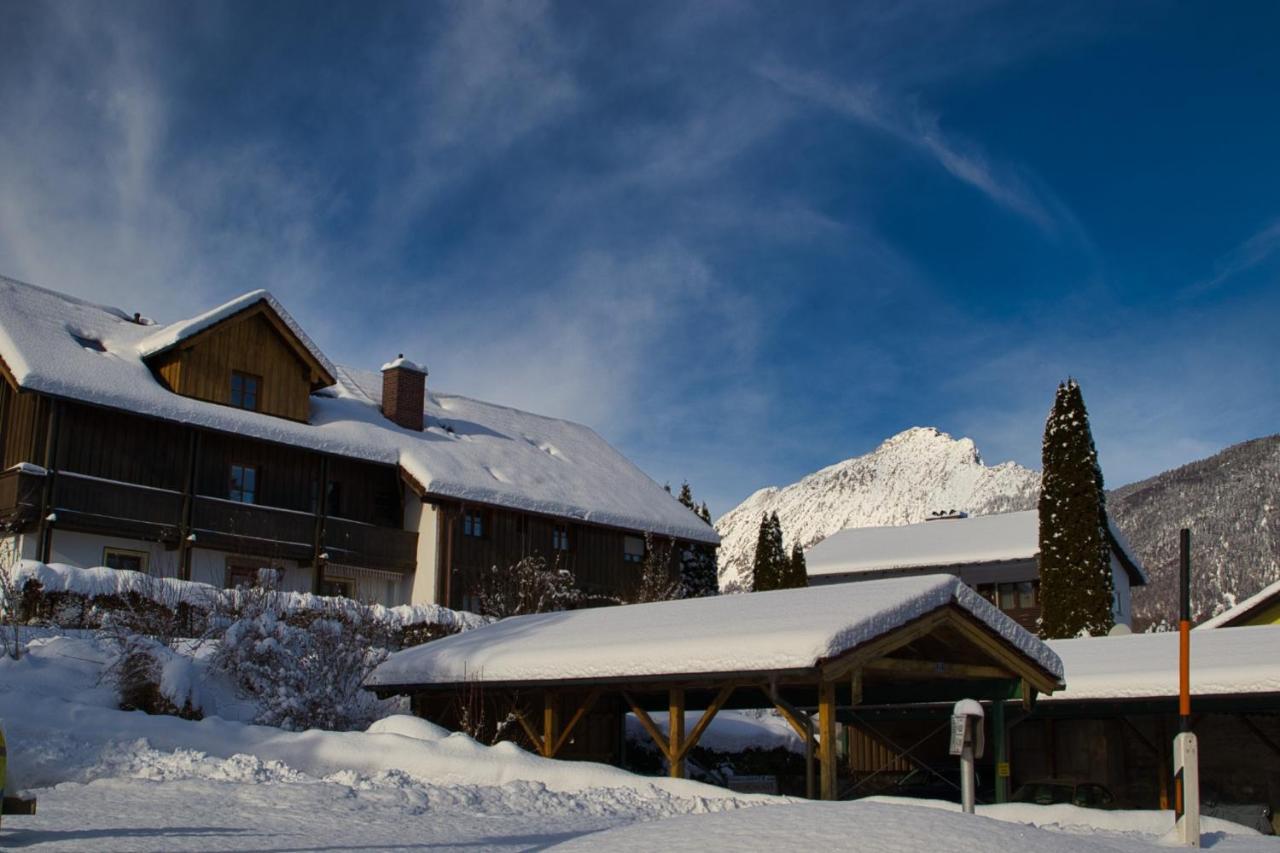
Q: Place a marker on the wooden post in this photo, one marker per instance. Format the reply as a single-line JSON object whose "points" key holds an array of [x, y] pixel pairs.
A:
{"points": [[50, 467], [675, 728], [550, 723], [185, 545], [1000, 735], [827, 739]]}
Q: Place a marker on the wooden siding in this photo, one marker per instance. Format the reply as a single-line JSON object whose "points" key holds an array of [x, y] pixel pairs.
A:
{"points": [[248, 344], [594, 556], [25, 426], [115, 445], [287, 477]]}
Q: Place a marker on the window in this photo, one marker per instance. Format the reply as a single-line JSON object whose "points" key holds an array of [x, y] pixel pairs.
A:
{"points": [[560, 538], [244, 391], [633, 549], [333, 498], [335, 588], [252, 571], [473, 523], [243, 485], [119, 558], [1027, 594], [1022, 595], [1008, 596]]}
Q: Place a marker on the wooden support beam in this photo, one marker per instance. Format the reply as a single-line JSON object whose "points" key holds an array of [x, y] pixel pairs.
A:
{"points": [[708, 715], [1261, 735], [647, 723], [550, 723], [675, 730], [999, 650], [937, 669], [855, 688], [880, 647], [803, 726], [827, 738], [583, 710], [528, 730]]}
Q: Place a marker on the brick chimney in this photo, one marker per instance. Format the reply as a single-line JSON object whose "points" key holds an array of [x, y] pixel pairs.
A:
{"points": [[404, 387]]}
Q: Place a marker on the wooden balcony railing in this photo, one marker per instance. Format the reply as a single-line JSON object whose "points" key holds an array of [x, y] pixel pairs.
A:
{"points": [[19, 498], [114, 507], [249, 528], [369, 545]]}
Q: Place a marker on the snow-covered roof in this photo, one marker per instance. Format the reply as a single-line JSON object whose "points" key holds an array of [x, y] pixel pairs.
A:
{"points": [[793, 629], [1258, 600], [470, 450], [941, 542], [168, 336], [1141, 666]]}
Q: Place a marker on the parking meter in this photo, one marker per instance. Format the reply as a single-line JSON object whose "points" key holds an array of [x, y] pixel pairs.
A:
{"points": [[967, 741]]}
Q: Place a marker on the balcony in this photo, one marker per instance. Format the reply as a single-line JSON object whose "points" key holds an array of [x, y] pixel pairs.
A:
{"points": [[252, 529], [19, 499], [370, 546], [116, 508]]}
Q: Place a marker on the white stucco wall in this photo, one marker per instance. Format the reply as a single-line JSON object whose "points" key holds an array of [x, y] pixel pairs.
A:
{"points": [[423, 518], [86, 551], [1122, 597]]}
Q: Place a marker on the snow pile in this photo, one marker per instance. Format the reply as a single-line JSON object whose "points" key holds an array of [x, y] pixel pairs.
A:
{"points": [[470, 450], [1137, 666], [782, 629], [919, 471], [101, 581], [729, 731]]}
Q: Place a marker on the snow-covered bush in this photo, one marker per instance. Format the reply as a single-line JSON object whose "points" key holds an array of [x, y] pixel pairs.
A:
{"points": [[304, 669], [528, 586]]}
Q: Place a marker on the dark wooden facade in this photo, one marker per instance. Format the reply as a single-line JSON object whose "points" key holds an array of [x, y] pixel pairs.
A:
{"points": [[595, 554], [120, 474]]}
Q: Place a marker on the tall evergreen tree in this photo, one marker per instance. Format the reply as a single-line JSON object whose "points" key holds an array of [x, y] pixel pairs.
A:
{"points": [[686, 496], [770, 567], [1075, 553], [704, 513], [797, 571]]}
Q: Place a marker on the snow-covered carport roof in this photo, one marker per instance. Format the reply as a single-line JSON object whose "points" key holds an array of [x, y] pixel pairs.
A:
{"points": [[787, 635], [916, 639]]}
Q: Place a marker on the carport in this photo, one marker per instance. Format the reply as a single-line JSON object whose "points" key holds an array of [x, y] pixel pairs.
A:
{"points": [[827, 650]]}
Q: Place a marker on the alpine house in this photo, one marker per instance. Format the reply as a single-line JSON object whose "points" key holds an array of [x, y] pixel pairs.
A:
{"points": [[213, 446]]}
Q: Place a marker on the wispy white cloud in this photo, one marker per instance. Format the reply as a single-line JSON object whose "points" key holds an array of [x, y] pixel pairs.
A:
{"points": [[869, 105], [1248, 255]]}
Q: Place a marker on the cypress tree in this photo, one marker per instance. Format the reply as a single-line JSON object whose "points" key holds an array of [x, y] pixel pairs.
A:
{"points": [[1075, 553]]}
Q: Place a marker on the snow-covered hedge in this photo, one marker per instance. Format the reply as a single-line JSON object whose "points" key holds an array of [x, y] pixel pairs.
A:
{"points": [[74, 597]]}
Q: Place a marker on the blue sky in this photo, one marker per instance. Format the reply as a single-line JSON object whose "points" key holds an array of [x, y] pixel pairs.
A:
{"points": [[742, 241]]}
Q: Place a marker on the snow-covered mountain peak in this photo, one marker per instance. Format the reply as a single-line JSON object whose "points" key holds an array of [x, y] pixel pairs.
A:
{"points": [[906, 477]]}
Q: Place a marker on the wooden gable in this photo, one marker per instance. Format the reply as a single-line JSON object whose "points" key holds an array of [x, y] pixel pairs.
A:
{"points": [[253, 342]]}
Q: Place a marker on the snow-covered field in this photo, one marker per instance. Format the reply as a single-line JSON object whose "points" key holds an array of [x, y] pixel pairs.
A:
{"points": [[109, 780]]}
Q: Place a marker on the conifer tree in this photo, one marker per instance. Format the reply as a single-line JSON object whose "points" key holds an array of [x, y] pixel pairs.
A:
{"points": [[797, 571], [1075, 553], [704, 513], [770, 567], [686, 496]]}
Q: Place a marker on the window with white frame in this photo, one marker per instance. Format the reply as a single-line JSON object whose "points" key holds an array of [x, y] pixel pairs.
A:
{"points": [[633, 549]]}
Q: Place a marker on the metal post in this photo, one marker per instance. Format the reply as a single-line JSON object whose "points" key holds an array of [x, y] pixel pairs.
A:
{"points": [[1185, 750], [966, 779]]}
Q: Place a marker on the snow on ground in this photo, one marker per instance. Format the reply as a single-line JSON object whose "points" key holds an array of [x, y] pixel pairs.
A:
{"points": [[109, 780], [871, 827]]}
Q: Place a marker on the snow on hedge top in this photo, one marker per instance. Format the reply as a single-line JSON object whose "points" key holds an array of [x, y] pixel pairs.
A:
{"points": [[1140, 666], [470, 450], [941, 542], [103, 581], [1256, 600], [756, 632]]}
